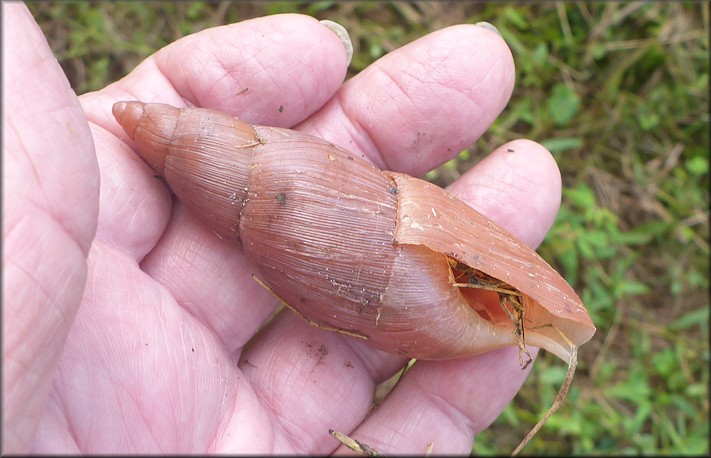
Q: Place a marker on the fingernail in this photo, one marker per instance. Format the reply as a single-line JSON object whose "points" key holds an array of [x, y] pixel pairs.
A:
{"points": [[342, 33], [486, 25]]}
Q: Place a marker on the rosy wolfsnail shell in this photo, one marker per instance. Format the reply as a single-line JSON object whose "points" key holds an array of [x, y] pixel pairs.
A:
{"points": [[380, 255]]}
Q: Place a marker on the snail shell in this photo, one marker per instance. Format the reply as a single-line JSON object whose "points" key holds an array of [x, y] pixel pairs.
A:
{"points": [[354, 248]]}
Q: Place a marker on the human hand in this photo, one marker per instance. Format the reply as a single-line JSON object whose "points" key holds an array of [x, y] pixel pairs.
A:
{"points": [[156, 357]]}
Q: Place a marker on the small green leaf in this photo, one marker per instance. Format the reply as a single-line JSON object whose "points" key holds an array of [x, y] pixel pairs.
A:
{"points": [[560, 145], [597, 238], [552, 375], [633, 238], [581, 196], [697, 390], [599, 51], [631, 288], [539, 56], [516, 17], [697, 165], [648, 120], [563, 104], [695, 317], [569, 260], [195, 10]]}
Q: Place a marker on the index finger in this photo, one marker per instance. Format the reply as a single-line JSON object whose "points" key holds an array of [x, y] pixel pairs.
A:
{"points": [[419, 106], [275, 70]]}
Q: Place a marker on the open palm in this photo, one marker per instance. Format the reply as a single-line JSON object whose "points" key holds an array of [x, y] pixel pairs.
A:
{"points": [[130, 327]]}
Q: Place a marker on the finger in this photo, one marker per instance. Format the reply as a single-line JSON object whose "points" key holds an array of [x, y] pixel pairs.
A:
{"points": [[140, 375], [210, 278], [310, 381], [135, 205], [518, 186], [422, 104], [50, 185], [444, 403], [274, 70], [345, 398], [463, 397]]}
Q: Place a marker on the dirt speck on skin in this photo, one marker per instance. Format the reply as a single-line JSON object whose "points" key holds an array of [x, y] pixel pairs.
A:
{"points": [[419, 142], [322, 351]]}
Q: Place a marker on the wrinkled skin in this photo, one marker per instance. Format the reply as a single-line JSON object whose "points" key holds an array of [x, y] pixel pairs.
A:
{"points": [[128, 327]]}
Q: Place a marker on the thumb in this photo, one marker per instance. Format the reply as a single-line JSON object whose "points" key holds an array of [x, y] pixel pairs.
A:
{"points": [[50, 183]]}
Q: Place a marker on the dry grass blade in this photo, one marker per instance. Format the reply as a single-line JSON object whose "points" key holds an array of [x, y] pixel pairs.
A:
{"points": [[559, 399], [365, 449], [354, 445]]}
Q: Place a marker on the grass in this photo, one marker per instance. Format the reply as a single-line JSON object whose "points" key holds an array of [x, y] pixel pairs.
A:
{"points": [[619, 94]]}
